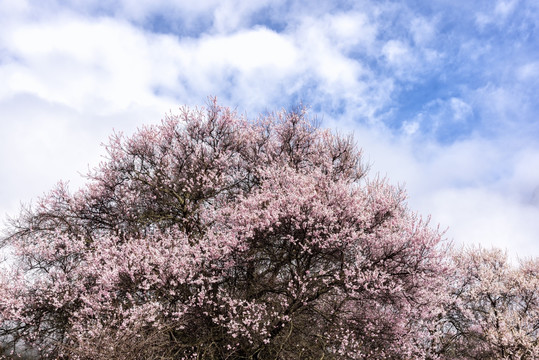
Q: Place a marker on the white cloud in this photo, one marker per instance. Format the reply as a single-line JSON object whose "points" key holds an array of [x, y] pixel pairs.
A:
{"points": [[104, 66], [350, 31], [528, 72], [14, 7], [322, 44], [423, 31], [507, 109], [250, 66], [439, 115], [223, 16], [502, 10], [522, 182], [479, 215], [461, 110], [233, 15], [409, 62], [410, 127], [246, 52], [397, 53]]}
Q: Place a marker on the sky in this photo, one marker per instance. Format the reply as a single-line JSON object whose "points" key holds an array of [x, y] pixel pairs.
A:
{"points": [[441, 95]]}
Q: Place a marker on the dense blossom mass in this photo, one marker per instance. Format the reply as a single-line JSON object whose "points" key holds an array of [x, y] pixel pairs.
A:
{"points": [[493, 308], [214, 237]]}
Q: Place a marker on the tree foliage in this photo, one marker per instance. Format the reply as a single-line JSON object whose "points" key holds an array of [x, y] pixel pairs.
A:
{"points": [[213, 237]]}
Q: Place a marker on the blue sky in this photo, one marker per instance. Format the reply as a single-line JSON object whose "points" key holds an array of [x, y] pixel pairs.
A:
{"points": [[441, 95]]}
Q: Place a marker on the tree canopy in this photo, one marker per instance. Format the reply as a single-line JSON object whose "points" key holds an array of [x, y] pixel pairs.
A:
{"points": [[211, 236]]}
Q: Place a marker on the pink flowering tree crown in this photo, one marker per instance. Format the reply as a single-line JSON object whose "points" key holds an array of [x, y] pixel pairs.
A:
{"points": [[493, 308], [210, 236]]}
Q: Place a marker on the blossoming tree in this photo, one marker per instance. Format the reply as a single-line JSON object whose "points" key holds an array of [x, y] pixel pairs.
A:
{"points": [[214, 237], [493, 310]]}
